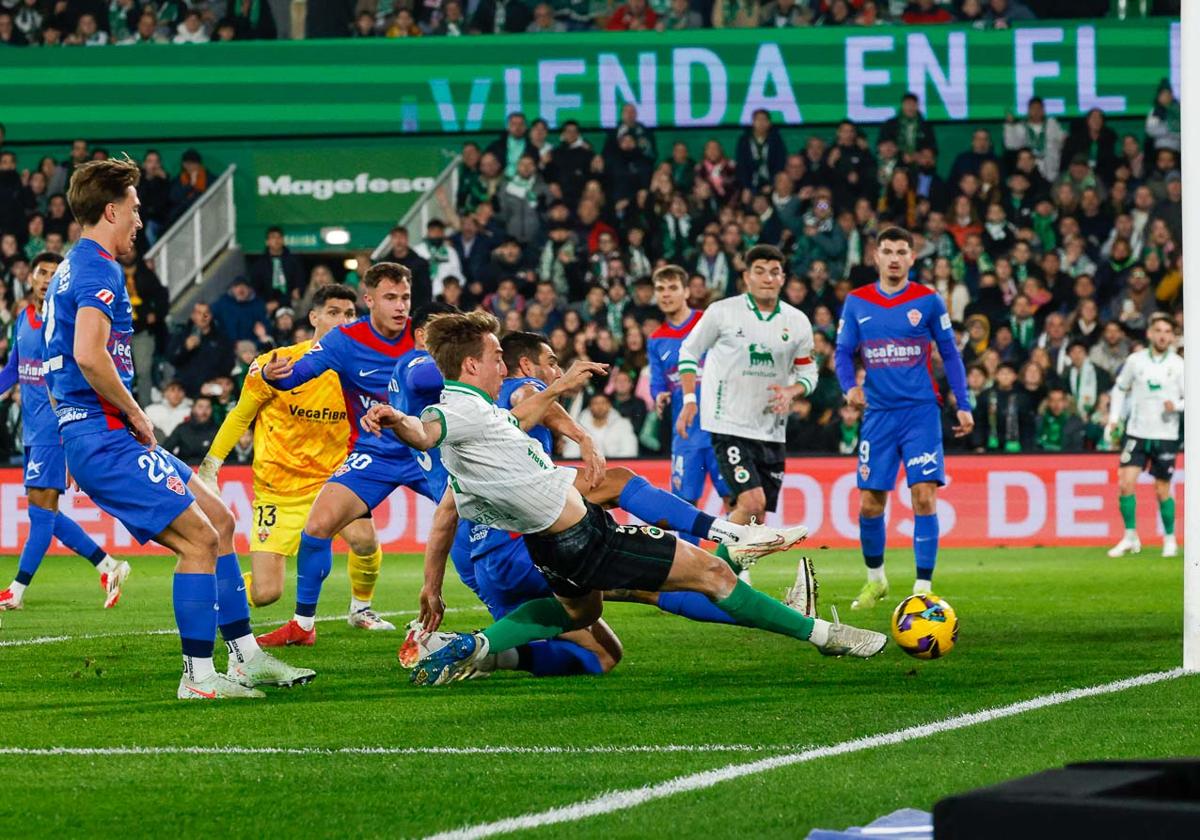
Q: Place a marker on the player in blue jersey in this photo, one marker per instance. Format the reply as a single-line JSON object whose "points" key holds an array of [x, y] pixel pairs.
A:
{"points": [[111, 451], [692, 458], [45, 463], [891, 327], [363, 353]]}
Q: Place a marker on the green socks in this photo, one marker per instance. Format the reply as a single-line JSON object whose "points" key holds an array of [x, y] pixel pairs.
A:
{"points": [[543, 618], [723, 553], [1128, 506], [1166, 509], [750, 607]]}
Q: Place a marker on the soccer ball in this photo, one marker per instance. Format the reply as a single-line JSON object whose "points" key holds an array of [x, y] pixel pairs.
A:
{"points": [[925, 626]]}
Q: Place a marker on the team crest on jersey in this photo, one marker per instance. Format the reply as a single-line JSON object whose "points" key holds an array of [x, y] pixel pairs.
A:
{"points": [[741, 475], [105, 296], [864, 472], [342, 470], [785, 334], [175, 484], [914, 316], [263, 533]]}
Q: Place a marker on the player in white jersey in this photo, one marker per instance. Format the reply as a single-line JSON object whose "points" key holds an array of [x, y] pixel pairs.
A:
{"points": [[759, 358], [502, 477], [1153, 380]]}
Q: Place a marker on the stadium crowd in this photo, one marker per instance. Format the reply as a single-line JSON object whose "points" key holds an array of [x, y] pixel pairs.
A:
{"points": [[1051, 242], [99, 23]]}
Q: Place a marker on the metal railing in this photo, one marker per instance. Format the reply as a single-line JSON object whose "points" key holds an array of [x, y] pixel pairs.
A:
{"points": [[207, 228], [438, 202]]}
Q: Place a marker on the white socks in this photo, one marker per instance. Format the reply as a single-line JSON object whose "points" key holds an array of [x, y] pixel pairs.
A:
{"points": [[724, 531], [17, 589], [107, 565], [306, 622], [820, 632], [197, 668], [922, 587], [1131, 535], [357, 605], [876, 575], [243, 648]]}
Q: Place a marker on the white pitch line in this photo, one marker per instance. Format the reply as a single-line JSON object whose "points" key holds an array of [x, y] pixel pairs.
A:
{"points": [[385, 751], [171, 631], [624, 799]]}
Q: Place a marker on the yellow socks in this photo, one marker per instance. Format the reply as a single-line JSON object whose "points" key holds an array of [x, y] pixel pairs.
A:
{"points": [[363, 570]]}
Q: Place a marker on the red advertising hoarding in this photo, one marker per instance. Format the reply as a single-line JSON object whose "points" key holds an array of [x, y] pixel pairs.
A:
{"points": [[1018, 500]]}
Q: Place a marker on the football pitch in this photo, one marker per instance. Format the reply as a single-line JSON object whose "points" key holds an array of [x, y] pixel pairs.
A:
{"points": [[701, 730]]}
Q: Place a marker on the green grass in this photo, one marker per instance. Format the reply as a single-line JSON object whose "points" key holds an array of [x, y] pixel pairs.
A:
{"points": [[1033, 622]]}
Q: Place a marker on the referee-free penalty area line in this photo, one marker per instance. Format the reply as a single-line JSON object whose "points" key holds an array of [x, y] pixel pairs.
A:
{"points": [[624, 799], [172, 631]]}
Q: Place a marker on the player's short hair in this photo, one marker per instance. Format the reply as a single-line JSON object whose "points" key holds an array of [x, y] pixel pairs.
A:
{"points": [[395, 272], [895, 234], [667, 273], [334, 291], [1161, 316], [430, 310], [46, 257], [521, 345], [764, 252], [99, 183], [452, 339]]}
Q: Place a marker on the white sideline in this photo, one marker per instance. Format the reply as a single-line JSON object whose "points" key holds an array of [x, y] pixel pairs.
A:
{"points": [[171, 631], [311, 751], [623, 799]]}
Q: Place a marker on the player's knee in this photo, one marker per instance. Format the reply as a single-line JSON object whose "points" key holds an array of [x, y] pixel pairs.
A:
{"points": [[607, 659], [870, 506], [585, 615], [267, 592], [716, 580], [221, 518], [924, 498], [321, 525]]}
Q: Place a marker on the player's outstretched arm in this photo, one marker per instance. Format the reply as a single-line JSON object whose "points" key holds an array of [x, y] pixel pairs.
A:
{"points": [[437, 549], [284, 373], [532, 410], [560, 422], [232, 428], [92, 330], [415, 432]]}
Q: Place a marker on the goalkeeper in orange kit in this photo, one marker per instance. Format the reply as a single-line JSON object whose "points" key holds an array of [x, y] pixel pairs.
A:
{"points": [[300, 438]]}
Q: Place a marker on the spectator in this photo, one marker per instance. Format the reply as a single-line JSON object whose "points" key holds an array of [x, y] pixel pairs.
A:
{"points": [[1163, 121], [625, 402], [191, 438], [442, 258], [170, 411], [571, 163], [154, 191], [633, 16], [1004, 418], [925, 12], [1041, 135], [1002, 14], [1111, 351], [1092, 139], [10, 33], [783, 14], [512, 145], [544, 20], [147, 31], [1058, 428], [242, 453], [150, 303], [199, 351], [252, 19], [908, 130], [521, 199], [613, 435], [278, 275], [193, 181], [1135, 304], [760, 154], [418, 266], [239, 313], [842, 436], [680, 15], [473, 247], [191, 30]]}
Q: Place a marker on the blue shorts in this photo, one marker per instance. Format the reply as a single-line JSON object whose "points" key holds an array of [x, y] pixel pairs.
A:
{"points": [[507, 578], [145, 490], [460, 556], [373, 477], [909, 436], [46, 467], [690, 465]]}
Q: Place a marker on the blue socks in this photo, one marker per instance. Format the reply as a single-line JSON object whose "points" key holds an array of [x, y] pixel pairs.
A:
{"points": [[693, 605], [233, 608], [658, 507], [873, 536], [41, 531], [195, 601], [556, 658], [313, 564], [925, 544], [76, 539]]}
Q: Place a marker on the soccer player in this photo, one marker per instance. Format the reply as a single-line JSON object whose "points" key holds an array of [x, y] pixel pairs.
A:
{"points": [[692, 455], [1152, 382], [363, 354], [759, 358], [300, 438], [500, 477], [45, 463], [111, 451], [892, 326]]}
